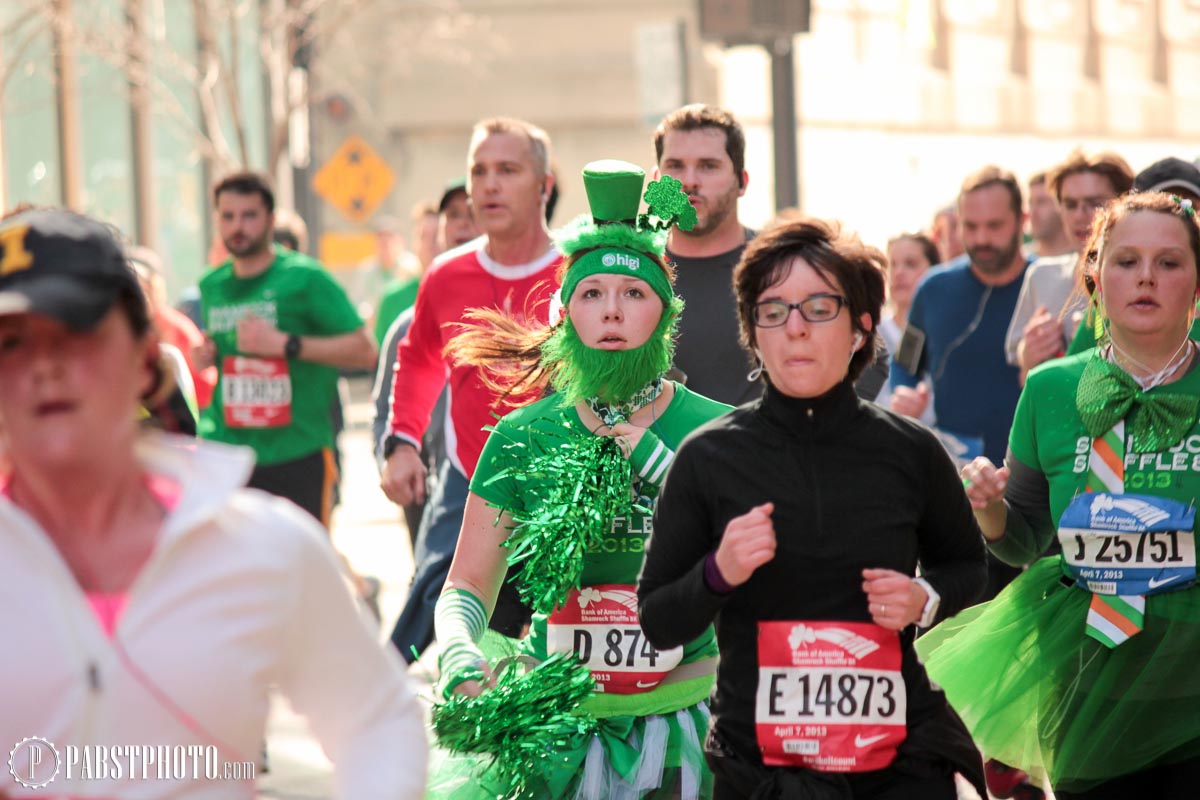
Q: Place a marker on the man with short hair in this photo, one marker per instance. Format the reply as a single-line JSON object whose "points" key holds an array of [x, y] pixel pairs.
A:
{"points": [[1050, 307], [955, 332], [1172, 175], [512, 267], [456, 225], [278, 329], [1045, 221], [945, 234], [703, 147]]}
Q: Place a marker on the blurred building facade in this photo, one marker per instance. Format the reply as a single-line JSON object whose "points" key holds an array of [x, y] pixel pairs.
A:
{"points": [[100, 111], [896, 100]]}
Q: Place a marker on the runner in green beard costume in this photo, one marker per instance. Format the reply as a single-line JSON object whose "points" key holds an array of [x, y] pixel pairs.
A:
{"points": [[566, 488]]}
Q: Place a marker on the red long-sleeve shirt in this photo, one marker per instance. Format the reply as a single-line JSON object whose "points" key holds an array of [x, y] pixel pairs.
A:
{"points": [[461, 279]]}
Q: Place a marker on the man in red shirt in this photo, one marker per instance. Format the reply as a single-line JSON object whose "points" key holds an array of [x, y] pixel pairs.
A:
{"points": [[512, 267]]}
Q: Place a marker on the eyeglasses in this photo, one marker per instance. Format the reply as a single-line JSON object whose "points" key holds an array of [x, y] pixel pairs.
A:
{"points": [[816, 308]]}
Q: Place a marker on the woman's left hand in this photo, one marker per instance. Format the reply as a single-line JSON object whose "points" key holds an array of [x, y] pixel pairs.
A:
{"points": [[894, 600], [627, 436]]}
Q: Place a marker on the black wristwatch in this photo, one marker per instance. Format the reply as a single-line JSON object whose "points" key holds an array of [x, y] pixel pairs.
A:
{"points": [[391, 442], [292, 348]]}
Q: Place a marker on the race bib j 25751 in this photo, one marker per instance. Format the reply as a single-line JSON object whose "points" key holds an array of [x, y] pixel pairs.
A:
{"points": [[1128, 544]]}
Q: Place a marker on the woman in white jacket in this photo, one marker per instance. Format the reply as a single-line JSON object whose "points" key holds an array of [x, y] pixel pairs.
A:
{"points": [[149, 601]]}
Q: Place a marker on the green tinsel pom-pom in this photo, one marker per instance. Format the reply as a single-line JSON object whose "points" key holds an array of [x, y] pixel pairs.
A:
{"points": [[573, 488], [521, 721]]}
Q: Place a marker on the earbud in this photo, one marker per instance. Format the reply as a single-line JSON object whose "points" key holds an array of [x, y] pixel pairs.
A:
{"points": [[858, 340]]}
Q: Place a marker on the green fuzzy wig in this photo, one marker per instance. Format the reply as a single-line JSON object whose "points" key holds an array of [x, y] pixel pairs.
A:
{"points": [[583, 234]]}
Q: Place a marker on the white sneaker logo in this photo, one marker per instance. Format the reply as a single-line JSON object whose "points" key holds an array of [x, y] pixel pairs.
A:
{"points": [[647, 684], [1154, 583], [860, 741]]}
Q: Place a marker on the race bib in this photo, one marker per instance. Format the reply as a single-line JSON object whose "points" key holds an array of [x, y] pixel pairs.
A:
{"points": [[599, 624], [256, 392], [1128, 544], [830, 695]]}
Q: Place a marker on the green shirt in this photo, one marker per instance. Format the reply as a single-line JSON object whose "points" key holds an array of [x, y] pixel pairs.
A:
{"points": [[618, 559], [1048, 435], [1085, 334], [296, 295], [398, 297]]}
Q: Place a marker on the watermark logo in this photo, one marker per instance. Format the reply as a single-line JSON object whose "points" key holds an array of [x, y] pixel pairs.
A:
{"points": [[34, 762], [613, 259]]}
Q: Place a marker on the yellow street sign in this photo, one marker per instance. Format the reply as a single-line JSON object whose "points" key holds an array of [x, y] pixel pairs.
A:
{"points": [[354, 180]]}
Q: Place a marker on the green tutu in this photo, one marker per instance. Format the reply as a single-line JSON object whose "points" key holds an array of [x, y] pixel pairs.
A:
{"points": [[1036, 692], [632, 758]]}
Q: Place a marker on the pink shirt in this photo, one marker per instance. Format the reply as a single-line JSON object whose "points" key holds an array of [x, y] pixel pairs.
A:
{"points": [[107, 606]]}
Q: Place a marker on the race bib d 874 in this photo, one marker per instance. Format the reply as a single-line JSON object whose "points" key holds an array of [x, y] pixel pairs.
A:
{"points": [[256, 392], [599, 624], [830, 695], [1129, 544]]}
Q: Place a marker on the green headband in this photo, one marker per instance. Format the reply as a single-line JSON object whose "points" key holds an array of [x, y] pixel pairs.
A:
{"points": [[617, 261]]}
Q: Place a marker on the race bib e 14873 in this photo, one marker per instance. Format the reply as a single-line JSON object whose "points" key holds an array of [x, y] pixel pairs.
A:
{"points": [[830, 695]]}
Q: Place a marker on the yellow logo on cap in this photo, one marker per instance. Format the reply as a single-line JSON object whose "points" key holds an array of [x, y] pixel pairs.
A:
{"points": [[16, 257]]}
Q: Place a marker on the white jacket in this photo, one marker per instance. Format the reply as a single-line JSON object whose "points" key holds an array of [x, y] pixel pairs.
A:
{"points": [[242, 593]]}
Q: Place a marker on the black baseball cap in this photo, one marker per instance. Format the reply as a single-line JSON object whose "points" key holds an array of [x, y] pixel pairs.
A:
{"points": [[1167, 174], [61, 264], [452, 188]]}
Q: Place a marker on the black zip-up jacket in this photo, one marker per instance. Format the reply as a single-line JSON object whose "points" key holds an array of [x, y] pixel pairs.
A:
{"points": [[854, 487]]}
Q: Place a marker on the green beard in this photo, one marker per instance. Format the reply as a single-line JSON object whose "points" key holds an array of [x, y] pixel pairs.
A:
{"points": [[579, 372]]}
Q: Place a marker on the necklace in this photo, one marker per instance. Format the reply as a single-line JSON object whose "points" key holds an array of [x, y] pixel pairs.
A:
{"points": [[1180, 357], [612, 413]]}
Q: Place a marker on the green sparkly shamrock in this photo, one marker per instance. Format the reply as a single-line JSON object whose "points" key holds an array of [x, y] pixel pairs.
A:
{"points": [[666, 200]]}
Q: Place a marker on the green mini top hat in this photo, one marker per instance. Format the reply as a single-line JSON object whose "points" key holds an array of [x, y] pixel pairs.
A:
{"points": [[617, 239], [614, 190]]}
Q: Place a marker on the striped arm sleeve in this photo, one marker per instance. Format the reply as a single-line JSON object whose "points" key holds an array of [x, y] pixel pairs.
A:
{"points": [[459, 621], [651, 458]]}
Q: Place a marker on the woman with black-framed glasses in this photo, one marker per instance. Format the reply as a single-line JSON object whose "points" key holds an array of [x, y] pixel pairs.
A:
{"points": [[797, 523]]}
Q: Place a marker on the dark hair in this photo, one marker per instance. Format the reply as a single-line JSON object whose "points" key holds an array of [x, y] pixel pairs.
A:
{"points": [[290, 231], [136, 309], [246, 183], [1118, 209], [991, 175], [1036, 178], [698, 116], [928, 248], [835, 253], [1106, 163]]}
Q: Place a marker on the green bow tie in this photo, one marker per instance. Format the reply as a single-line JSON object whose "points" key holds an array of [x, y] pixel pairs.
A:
{"points": [[1106, 394]]}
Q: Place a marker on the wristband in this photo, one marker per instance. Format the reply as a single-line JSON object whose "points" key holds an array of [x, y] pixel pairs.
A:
{"points": [[933, 600], [651, 458], [459, 621], [713, 578], [291, 348]]}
